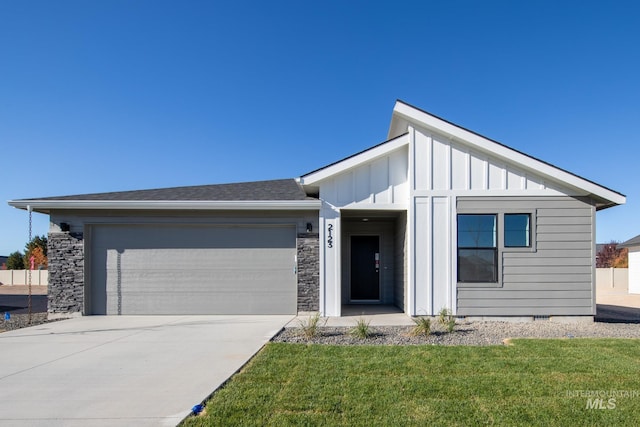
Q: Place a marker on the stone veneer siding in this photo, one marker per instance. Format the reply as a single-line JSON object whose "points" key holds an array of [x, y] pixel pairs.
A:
{"points": [[66, 272], [308, 272]]}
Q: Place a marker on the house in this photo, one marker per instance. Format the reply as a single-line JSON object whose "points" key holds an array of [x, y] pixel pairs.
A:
{"points": [[435, 217], [633, 245]]}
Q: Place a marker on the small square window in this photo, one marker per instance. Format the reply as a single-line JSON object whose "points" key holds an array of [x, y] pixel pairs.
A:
{"points": [[517, 230]]}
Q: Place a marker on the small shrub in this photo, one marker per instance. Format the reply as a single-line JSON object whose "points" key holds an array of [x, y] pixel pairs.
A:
{"points": [[310, 327], [443, 316], [362, 329], [451, 324], [447, 320], [422, 327]]}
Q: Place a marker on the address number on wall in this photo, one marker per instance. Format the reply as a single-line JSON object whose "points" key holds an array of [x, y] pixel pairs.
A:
{"points": [[330, 236]]}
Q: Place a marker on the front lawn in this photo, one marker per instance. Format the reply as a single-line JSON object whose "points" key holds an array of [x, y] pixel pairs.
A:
{"points": [[532, 382]]}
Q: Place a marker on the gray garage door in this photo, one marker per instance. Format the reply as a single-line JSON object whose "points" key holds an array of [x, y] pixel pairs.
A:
{"points": [[191, 269]]}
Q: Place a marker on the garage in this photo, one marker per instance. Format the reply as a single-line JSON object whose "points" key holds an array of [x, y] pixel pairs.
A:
{"points": [[192, 269]]}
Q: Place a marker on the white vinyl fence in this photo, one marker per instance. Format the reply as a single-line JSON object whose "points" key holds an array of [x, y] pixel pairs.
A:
{"points": [[21, 277], [612, 281], [608, 280]]}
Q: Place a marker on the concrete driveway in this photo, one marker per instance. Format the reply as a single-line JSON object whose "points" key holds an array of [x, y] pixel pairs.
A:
{"points": [[122, 370]]}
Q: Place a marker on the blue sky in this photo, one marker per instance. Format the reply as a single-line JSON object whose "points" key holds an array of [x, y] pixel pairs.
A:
{"points": [[117, 95]]}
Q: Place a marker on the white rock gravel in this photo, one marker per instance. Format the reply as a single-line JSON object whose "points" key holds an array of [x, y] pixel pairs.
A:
{"points": [[466, 333]]}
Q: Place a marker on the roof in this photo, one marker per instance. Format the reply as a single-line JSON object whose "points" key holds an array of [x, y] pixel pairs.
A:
{"points": [[283, 193], [635, 241], [402, 103], [354, 160], [405, 114]]}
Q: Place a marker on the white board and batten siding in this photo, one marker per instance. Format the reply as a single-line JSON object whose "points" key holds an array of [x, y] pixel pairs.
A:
{"points": [[445, 176], [377, 183]]}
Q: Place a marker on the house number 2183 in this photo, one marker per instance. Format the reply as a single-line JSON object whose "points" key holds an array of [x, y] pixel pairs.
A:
{"points": [[330, 235]]}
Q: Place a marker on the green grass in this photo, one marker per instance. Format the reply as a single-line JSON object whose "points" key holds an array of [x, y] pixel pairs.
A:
{"points": [[531, 382]]}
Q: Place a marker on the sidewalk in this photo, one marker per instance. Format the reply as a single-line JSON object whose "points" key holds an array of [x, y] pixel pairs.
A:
{"points": [[22, 290]]}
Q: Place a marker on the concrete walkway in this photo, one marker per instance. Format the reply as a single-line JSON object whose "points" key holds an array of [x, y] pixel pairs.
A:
{"points": [[376, 315], [122, 370]]}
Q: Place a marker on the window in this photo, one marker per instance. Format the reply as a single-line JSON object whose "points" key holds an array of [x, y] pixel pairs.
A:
{"points": [[477, 248], [483, 239], [517, 230]]}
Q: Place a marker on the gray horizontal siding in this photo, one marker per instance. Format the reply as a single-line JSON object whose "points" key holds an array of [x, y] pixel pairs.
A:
{"points": [[554, 229], [550, 301], [471, 296], [560, 221], [558, 204], [552, 254], [516, 270], [541, 286], [556, 278], [559, 260], [546, 245], [530, 311], [542, 277]]}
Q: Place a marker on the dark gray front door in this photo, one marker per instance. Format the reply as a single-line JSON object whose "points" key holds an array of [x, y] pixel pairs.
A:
{"points": [[365, 268]]}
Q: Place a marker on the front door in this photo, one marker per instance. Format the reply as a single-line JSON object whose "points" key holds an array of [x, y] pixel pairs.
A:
{"points": [[365, 268]]}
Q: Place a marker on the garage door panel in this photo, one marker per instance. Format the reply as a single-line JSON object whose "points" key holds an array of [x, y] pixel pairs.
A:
{"points": [[199, 281], [193, 270], [162, 259], [178, 304]]}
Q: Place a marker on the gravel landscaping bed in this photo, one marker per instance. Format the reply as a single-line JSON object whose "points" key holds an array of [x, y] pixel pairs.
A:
{"points": [[466, 333], [18, 321]]}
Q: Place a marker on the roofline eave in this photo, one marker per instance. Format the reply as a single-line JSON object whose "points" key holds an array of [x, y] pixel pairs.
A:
{"points": [[45, 206], [370, 154], [411, 114]]}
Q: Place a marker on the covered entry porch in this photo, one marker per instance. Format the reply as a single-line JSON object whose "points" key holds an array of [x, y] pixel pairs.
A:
{"points": [[373, 263]]}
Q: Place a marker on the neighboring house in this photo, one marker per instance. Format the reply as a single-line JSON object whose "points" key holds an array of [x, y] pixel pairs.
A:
{"points": [[634, 263], [3, 262], [435, 217]]}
